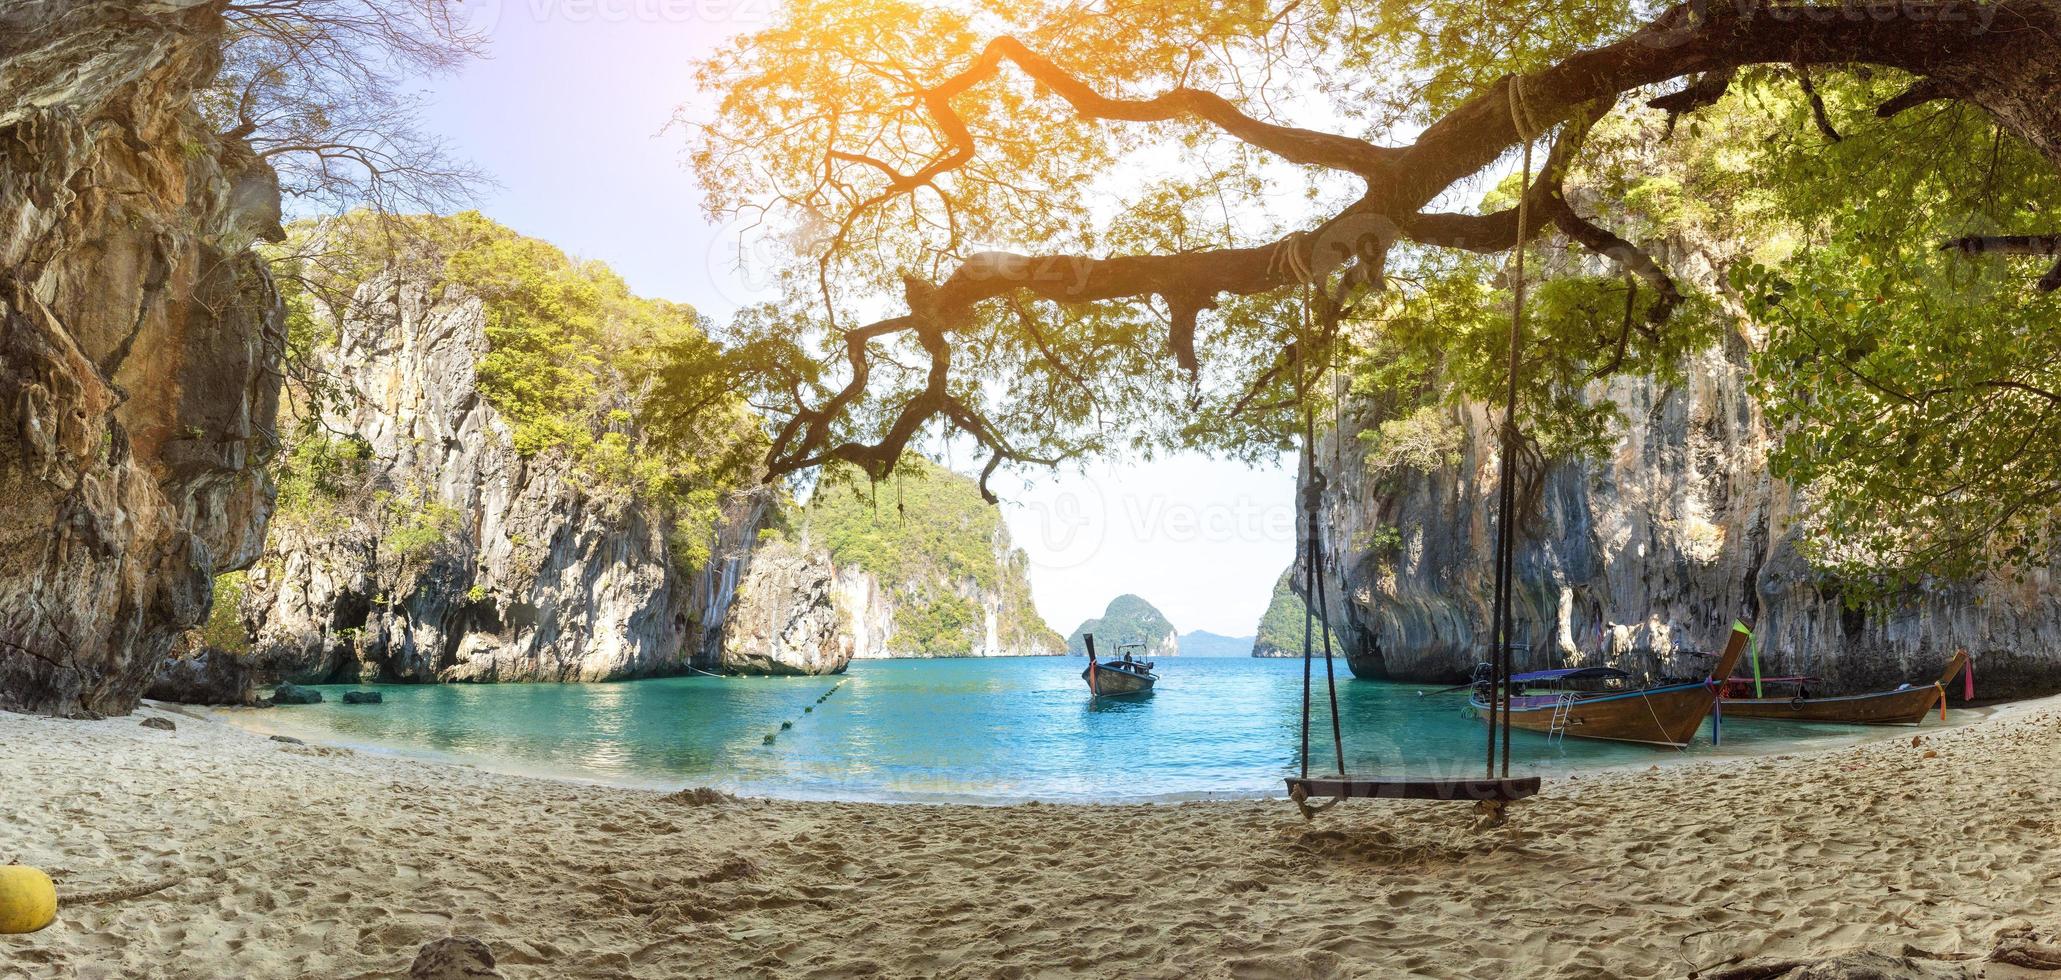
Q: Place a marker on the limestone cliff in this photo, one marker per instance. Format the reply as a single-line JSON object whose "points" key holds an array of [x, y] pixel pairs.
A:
{"points": [[788, 617], [475, 498], [442, 553], [925, 568], [1646, 556], [139, 353]]}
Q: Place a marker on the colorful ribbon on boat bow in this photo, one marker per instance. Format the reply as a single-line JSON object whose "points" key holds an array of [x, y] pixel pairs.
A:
{"points": [[1968, 679], [1717, 709], [1754, 649]]}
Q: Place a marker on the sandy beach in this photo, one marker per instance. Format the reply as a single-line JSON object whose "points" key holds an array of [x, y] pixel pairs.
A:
{"points": [[309, 861]]}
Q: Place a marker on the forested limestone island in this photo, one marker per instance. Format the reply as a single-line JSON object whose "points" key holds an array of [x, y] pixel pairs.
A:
{"points": [[926, 567], [1281, 628], [1128, 619]]}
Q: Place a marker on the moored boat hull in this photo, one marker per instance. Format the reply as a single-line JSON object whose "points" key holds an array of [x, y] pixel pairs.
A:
{"points": [[1905, 707], [1107, 682], [1667, 716], [1664, 716]]}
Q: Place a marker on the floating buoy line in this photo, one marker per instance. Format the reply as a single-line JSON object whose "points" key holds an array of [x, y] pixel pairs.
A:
{"points": [[771, 737]]}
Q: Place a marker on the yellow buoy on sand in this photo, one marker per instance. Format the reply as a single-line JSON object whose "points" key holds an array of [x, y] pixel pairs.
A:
{"points": [[28, 900]]}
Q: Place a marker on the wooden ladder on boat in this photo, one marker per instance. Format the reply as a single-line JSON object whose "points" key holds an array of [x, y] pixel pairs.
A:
{"points": [[1563, 709]]}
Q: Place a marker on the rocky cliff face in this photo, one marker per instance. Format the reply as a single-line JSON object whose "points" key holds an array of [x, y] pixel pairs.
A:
{"points": [[1645, 557], [925, 568], [419, 539], [138, 359], [789, 617], [1004, 626], [450, 556]]}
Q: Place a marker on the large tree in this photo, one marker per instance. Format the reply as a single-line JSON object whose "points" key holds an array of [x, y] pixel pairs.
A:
{"points": [[320, 89], [1063, 221]]}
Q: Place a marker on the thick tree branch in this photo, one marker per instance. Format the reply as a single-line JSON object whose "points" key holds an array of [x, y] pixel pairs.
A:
{"points": [[1624, 333], [1705, 90], [1498, 231], [1547, 203], [1923, 91], [1819, 115], [1629, 257], [1707, 40], [2006, 245], [2041, 245], [1295, 145]]}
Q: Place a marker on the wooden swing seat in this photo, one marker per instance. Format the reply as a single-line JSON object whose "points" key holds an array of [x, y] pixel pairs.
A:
{"points": [[1450, 790]]}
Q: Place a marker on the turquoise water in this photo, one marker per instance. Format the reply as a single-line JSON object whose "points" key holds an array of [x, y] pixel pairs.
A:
{"points": [[966, 730]]}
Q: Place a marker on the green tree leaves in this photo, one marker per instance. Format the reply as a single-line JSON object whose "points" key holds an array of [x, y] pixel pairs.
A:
{"points": [[1915, 391]]}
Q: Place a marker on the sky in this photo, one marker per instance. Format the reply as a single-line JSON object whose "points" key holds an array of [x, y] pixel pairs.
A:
{"points": [[570, 115]]}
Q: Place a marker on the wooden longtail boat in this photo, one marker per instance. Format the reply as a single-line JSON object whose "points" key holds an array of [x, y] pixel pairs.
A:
{"points": [[1124, 675], [1666, 715], [1907, 705]]}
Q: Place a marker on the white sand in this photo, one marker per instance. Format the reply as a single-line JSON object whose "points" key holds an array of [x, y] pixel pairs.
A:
{"points": [[355, 860]]}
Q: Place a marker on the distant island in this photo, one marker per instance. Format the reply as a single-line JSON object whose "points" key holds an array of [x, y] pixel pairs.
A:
{"points": [[1127, 619], [1203, 643], [1280, 629]]}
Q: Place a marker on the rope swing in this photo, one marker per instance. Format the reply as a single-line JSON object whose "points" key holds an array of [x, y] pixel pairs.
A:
{"points": [[1501, 627], [1313, 575], [1495, 789]]}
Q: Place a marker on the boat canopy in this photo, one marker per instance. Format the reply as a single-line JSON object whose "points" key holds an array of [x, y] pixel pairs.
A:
{"points": [[1571, 674]]}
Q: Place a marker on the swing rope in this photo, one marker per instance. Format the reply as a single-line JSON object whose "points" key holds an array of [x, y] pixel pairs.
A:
{"points": [[1315, 608], [1501, 627], [1314, 611]]}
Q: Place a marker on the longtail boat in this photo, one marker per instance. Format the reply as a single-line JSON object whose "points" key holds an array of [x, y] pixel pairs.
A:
{"points": [[1666, 715], [1907, 705], [1127, 674]]}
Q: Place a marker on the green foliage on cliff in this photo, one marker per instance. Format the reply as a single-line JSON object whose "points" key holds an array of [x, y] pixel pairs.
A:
{"points": [[317, 470], [545, 317], [1127, 619], [1441, 339], [939, 623], [924, 520], [416, 523], [631, 390], [224, 629], [1425, 440], [1280, 628], [930, 539]]}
